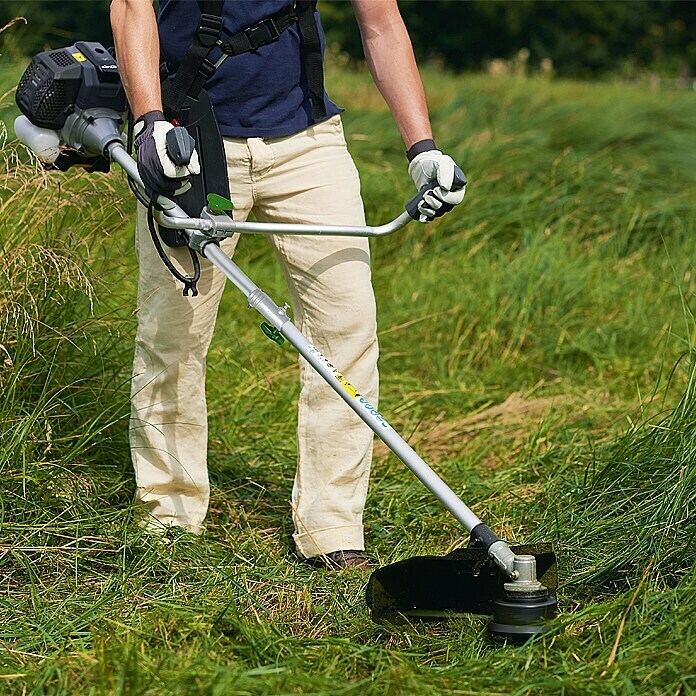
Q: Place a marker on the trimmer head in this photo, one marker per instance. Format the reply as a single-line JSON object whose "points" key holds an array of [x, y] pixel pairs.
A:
{"points": [[518, 616], [465, 581]]}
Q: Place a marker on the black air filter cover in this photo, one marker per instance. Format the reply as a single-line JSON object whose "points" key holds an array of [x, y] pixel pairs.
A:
{"points": [[55, 81]]}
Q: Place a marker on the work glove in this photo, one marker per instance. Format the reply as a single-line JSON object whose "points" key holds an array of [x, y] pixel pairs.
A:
{"points": [[163, 168], [439, 175]]}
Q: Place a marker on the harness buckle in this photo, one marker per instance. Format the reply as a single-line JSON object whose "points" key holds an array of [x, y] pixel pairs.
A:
{"points": [[263, 33], [209, 29], [207, 69]]}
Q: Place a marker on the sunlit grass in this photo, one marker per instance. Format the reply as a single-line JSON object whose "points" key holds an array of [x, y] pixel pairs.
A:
{"points": [[528, 349]]}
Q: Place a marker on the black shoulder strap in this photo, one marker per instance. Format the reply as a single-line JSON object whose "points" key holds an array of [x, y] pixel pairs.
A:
{"points": [[195, 69], [311, 55]]}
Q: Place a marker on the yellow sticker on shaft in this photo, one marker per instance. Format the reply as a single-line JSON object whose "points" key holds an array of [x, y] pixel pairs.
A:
{"points": [[79, 57]]}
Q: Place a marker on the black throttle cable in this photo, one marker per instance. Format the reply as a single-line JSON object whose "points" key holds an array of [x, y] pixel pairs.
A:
{"points": [[188, 281]]}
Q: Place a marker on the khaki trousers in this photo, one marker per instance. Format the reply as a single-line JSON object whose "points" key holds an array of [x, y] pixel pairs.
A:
{"points": [[307, 177]]}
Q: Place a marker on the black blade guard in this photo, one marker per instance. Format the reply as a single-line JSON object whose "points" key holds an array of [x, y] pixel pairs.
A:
{"points": [[465, 581]]}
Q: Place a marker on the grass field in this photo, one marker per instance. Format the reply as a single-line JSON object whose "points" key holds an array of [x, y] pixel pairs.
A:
{"points": [[537, 347]]}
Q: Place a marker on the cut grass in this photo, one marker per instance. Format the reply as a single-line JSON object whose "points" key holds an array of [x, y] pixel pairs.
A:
{"points": [[527, 347]]}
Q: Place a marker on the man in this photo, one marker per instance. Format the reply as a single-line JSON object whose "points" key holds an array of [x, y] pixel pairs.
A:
{"points": [[287, 161]]}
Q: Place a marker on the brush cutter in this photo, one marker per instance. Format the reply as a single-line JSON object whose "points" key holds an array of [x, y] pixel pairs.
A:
{"points": [[72, 102]]}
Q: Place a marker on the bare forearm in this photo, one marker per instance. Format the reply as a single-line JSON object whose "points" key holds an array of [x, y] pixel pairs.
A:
{"points": [[390, 58], [134, 27]]}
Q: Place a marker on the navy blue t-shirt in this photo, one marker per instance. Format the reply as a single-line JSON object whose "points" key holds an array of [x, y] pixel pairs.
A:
{"points": [[260, 93]]}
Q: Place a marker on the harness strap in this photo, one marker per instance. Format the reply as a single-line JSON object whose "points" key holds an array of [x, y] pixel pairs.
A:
{"points": [[260, 34], [311, 56], [195, 69]]}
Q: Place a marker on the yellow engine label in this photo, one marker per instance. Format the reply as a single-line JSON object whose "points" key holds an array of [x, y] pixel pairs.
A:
{"points": [[79, 57]]}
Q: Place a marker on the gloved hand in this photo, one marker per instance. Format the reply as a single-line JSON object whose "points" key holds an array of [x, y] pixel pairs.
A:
{"points": [[160, 174], [431, 169]]}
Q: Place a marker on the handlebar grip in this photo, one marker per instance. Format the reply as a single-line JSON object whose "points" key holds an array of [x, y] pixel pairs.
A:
{"points": [[413, 203], [180, 146], [459, 181]]}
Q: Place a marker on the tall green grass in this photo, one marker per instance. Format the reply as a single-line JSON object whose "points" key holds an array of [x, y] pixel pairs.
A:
{"points": [[64, 355], [537, 348]]}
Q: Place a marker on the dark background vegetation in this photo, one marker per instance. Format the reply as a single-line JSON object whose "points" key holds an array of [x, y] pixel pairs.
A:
{"points": [[583, 39]]}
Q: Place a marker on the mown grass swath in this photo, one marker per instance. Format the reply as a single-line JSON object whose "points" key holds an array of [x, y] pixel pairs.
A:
{"points": [[536, 348]]}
